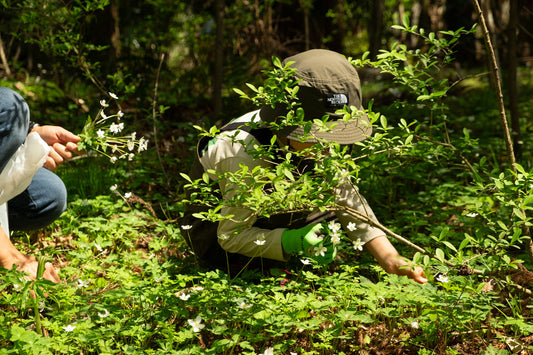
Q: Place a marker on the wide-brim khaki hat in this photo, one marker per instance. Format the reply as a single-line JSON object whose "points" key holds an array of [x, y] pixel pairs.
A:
{"points": [[327, 82]]}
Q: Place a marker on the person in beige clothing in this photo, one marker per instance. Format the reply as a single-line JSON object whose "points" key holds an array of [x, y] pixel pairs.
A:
{"points": [[327, 81]]}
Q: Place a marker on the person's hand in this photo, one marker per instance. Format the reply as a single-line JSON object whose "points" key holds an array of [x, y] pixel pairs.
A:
{"points": [[307, 240], [402, 268], [29, 264], [62, 144], [392, 262]]}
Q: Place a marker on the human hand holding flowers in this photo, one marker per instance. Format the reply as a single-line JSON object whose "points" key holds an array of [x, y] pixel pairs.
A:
{"points": [[63, 144], [101, 135]]}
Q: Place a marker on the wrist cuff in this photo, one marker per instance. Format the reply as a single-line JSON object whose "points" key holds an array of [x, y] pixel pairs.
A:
{"points": [[31, 126]]}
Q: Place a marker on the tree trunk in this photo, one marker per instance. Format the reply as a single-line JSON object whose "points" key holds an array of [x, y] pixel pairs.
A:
{"points": [[219, 58], [512, 79], [375, 28]]}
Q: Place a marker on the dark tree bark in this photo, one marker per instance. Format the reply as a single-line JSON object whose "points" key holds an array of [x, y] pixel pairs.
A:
{"points": [[512, 82], [375, 27], [219, 58]]}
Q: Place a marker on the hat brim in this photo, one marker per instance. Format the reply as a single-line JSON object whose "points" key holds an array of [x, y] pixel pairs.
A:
{"points": [[338, 130]]}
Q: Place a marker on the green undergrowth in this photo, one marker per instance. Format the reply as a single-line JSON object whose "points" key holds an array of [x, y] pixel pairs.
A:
{"points": [[131, 287]]}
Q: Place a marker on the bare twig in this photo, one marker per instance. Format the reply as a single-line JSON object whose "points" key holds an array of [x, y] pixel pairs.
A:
{"points": [[154, 122], [495, 73]]}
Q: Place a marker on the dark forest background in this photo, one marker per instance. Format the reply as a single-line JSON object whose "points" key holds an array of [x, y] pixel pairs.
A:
{"points": [[173, 63]]}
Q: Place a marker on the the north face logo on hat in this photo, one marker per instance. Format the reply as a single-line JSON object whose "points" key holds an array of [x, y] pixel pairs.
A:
{"points": [[336, 100]]}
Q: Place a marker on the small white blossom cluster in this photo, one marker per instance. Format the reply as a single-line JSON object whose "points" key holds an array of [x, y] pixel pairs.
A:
{"points": [[103, 136], [335, 232], [126, 196]]}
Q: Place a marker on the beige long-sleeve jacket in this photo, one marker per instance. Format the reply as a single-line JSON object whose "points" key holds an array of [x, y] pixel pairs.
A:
{"points": [[239, 235]]}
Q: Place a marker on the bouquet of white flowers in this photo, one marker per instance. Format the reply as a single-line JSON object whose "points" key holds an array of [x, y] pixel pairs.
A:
{"points": [[103, 135]]}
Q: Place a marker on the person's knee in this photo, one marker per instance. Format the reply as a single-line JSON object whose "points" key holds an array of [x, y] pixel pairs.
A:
{"points": [[40, 204], [58, 199]]}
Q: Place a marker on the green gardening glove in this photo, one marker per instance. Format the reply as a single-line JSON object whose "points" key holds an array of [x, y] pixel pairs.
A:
{"points": [[309, 241]]}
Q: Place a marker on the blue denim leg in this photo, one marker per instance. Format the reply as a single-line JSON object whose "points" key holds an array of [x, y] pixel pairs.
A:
{"points": [[40, 204], [14, 121]]}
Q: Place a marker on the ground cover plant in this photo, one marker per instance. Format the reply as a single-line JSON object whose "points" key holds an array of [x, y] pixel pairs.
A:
{"points": [[131, 286]]}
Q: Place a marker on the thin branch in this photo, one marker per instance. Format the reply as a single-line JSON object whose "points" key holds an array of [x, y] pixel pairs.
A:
{"points": [[154, 122], [451, 146], [495, 72]]}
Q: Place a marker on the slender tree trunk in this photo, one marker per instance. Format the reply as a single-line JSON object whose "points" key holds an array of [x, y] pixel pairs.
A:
{"points": [[512, 83], [497, 83], [115, 36], [3, 57], [219, 58], [375, 28], [495, 73], [305, 6]]}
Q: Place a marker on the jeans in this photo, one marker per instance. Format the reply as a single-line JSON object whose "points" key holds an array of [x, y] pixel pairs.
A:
{"points": [[46, 197]]}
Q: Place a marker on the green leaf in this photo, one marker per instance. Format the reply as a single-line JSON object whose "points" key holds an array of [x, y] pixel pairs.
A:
{"points": [[186, 177], [439, 254], [517, 212], [276, 62], [383, 121]]}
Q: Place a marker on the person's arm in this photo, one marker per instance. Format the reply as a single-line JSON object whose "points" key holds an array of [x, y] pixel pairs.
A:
{"points": [[373, 238], [9, 256], [391, 261], [238, 235], [62, 142]]}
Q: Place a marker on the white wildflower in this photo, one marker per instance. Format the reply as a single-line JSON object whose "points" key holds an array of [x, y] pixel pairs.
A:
{"points": [[184, 296], [351, 226], [104, 314], [114, 128], [269, 351], [130, 145], [131, 156], [415, 325], [17, 287], [100, 133], [244, 305], [336, 239], [113, 159], [120, 114], [334, 226], [69, 328], [143, 144], [358, 245], [113, 188], [82, 283], [103, 103], [186, 227], [472, 214], [441, 278], [113, 95], [127, 195], [305, 261], [196, 324], [320, 250], [260, 242]]}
